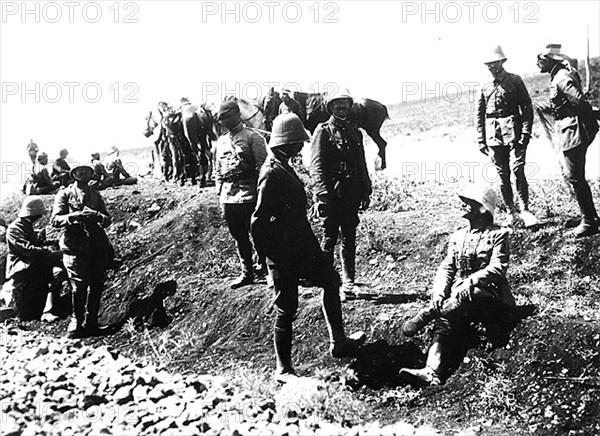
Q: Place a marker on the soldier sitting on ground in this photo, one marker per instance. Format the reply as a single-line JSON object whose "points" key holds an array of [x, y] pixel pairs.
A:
{"points": [[36, 272], [470, 287], [115, 167], [39, 181], [61, 171]]}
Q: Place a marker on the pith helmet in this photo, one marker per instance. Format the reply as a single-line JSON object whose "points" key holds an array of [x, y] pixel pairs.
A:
{"points": [[287, 129], [552, 51], [496, 55], [32, 205], [482, 194], [343, 95]]}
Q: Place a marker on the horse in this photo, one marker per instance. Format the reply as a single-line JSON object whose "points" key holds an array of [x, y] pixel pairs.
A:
{"points": [[270, 107], [177, 160], [199, 128], [365, 113], [159, 152]]}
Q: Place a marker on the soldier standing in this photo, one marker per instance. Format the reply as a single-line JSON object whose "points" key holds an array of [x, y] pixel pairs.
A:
{"points": [[504, 118], [575, 129], [240, 154], [283, 234], [342, 183], [470, 286], [81, 211]]}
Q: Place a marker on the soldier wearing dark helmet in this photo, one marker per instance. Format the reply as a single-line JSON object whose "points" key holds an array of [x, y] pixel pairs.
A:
{"points": [[504, 118], [282, 233], [342, 183], [574, 129]]}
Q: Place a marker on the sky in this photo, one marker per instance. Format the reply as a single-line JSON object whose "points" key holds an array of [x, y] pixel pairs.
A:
{"points": [[82, 75]]}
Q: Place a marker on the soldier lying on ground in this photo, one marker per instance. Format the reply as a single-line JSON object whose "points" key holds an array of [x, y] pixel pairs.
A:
{"points": [[470, 287], [31, 267]]}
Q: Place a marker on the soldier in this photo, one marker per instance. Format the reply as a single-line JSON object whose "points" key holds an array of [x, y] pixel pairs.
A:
{"points": [[342, 184], [470, 286], [283, 234], [504, 118], [239, 153], [39, 181], [61, 171], [81, 211], [575, 129], [31, 266], [32, 151]]}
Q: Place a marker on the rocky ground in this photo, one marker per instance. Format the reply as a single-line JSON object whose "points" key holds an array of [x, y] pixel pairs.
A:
{"points": [[56, 386]]}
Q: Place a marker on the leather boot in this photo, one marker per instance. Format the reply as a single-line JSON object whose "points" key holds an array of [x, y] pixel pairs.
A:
{"points": [[284, 371], [418, 322], [76, 325], [420, 377], [586, 227]]}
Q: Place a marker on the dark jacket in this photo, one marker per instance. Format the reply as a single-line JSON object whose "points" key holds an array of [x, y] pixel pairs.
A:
{"points": [[81, 237], [504, 111], [24, 247], [338, 165], [280, 229], [575, 123]]}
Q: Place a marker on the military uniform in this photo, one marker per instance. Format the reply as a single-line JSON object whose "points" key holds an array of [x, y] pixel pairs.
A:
{"points": [[61, 171], [239, 157], [481, 258], [342, 181], [574, 130], [87, 250], [31, 267], [504, 119], [291, 106]]}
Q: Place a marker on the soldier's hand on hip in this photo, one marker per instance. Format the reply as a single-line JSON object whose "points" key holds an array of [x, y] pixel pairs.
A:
{"points": [[437, 301], [484, 148], [364, 203]]}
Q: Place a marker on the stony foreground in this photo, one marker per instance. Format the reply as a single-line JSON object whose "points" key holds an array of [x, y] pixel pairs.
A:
{"points": [[54, 386]]}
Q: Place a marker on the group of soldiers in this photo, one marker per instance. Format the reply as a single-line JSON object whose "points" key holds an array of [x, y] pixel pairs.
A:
{"points": [[44, 180], [264, 205]]}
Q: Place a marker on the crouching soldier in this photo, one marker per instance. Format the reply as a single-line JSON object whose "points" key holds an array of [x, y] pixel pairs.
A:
{"points": [[283, 234], [470, 287], [81, 211], [32, 267]]}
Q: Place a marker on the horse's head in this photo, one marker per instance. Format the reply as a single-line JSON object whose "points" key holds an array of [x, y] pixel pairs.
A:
{"points": [[151, 124], [270, 108]]}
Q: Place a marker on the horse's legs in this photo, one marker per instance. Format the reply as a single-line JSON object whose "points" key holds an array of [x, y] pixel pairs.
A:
{"points": [[381, 144]]}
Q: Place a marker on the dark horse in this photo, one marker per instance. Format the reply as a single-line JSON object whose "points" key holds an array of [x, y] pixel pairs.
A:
{"points": [[365, 113], [199, 129], [270, 107]]}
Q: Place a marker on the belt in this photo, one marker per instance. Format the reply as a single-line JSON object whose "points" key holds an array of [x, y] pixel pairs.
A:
{"points": [[498, 115]]}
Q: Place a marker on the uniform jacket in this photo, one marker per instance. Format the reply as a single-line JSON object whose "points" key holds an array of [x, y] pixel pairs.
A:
{"points": [[575, 124], [280, 229], [81, 237], [60, 167], [504, 111], [24, 247], [40, 177], [338, 165], [482, 257], [240, 155]]}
